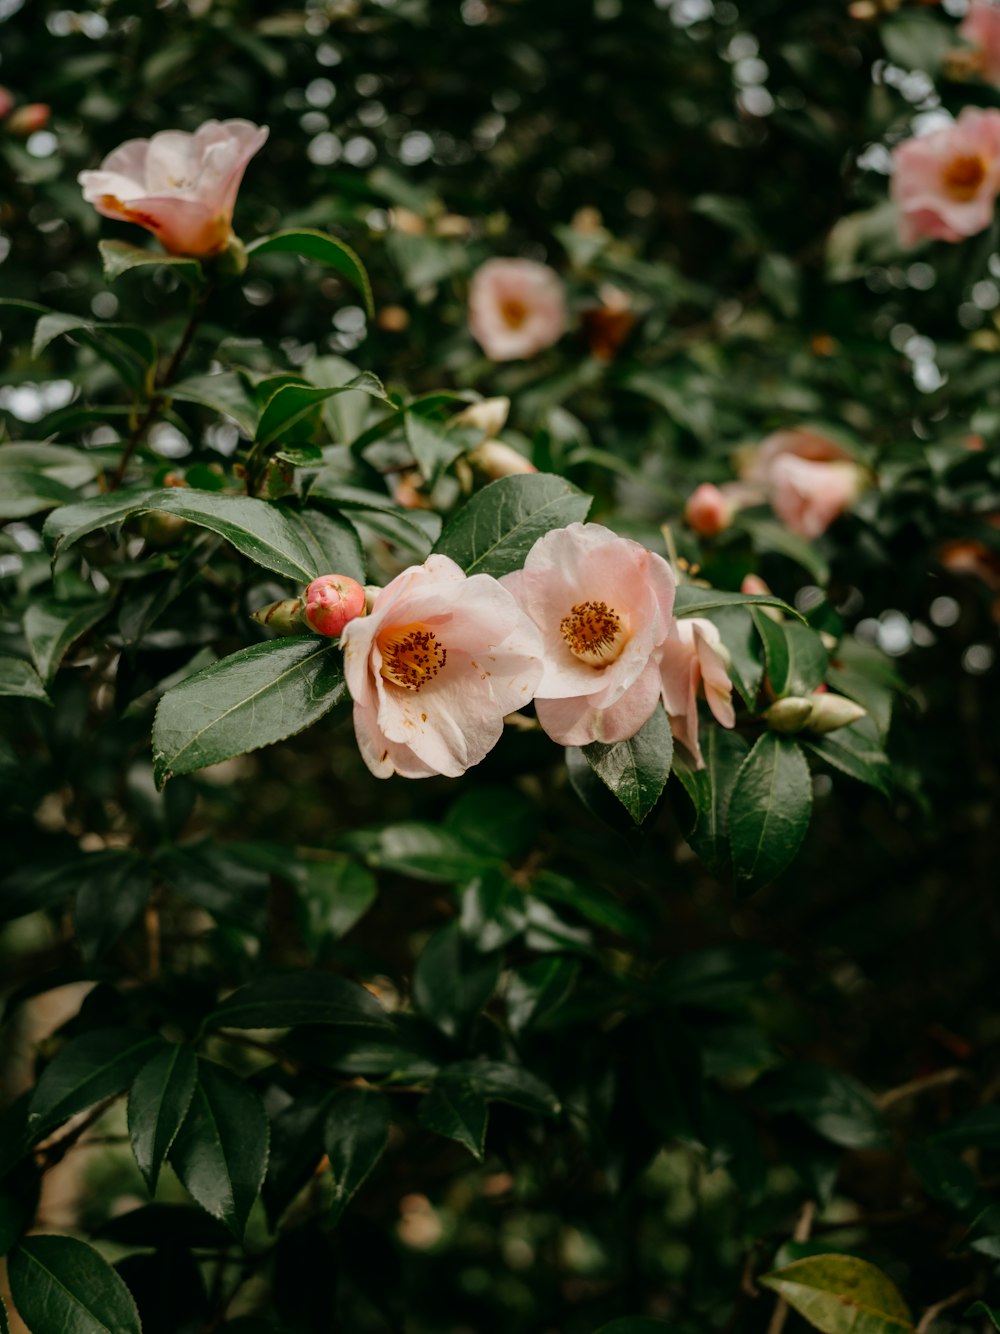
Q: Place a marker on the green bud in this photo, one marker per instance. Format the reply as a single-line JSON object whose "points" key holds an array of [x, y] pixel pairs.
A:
{"points": [[829, 712], [286, 617], [790, 714]]}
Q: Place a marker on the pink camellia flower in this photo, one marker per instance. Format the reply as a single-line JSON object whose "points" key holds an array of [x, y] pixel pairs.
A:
{"points": [[708, 511], [516, 308], [694, 657], [603, 605], [981, 27], [331, 601], [946, 182], [182, 187], [809, 479], [434, 667]]}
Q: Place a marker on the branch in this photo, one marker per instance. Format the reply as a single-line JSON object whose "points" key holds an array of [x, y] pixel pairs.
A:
{"points": [[932, 1312], [802, 1230]]}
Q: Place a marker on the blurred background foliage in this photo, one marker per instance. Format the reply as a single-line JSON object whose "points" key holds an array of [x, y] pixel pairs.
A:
{"points": [[709, 179]]}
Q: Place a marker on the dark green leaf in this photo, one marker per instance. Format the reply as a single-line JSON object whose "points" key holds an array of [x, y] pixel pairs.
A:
{"points": [[300, 998], [87, 1070], [991, 1313], [253, 698], [769, 810], [225, 392], [292, 402], [414, 531], [452, 980], [333, 542], [62, 1286], [433, 447], [835, 1105], [690, 600], [736, 629], [164, 1226], [24, 492], [107, 905], [331, 897], [357, 1131], [500, 1081], [855, 753], [456, 1109], [51, 626], [494, 531], [323, 249], [840, 1294], [422, 851], [536, 991], [158, 1102], [636, 770], [220, 1152], [19, 678], [710, 791], [119, 257], [796, 658]]}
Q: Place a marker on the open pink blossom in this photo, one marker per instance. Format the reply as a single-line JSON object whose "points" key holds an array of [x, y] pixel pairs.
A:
{"points": [[603, 605], [434, 667], [693, 657], [808, 479], [181, 187], [946, 182], [516, 308], [981, 27]]}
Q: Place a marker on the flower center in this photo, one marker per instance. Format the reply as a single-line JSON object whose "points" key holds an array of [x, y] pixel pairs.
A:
{"points": [[594, 633], [513, 312], [964, 175], [411, 656]]}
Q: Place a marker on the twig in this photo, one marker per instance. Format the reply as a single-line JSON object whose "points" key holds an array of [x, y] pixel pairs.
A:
{"points": [[932, 1312], [938, 1079], [803, 1227]]}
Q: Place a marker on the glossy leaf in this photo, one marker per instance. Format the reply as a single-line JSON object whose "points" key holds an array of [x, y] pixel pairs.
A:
{"points": [[710, 791], [106, 905], [62, 1286], [356, 1133], [253, 698], [690, 600], [24, 492], [119, 257], [855, 753], [636, 770], [157, 1105], [333, 542], [19, 678], [225, 392], [300, 998], [840, 1294], [220, 1152], [452, 981], [769, 810], [323, 249], [494, 531], [795, 656], [292, 402], [87, 1070], [51, 627], [456, 1109]]}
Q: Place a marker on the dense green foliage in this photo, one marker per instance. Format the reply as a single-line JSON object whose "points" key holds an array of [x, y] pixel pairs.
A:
{"points": [[590, 1038]]}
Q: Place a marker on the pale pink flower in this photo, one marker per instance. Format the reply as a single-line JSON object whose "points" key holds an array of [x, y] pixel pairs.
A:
{"points": [[603, 605], [981, 27], [434, 667], [808, 479], [182, 187], [946, 182], [708, 511], [694, 657], [331, 601], [516, 308], [494, 460]]}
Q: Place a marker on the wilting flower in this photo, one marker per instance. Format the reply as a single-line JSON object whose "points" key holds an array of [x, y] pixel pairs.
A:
{"points": [[708, 511], [182, 187], [692, 658], [434, 667], [809, 479], [516, 308], [331, 601], [603, 605], [946, 182], [981, 27]]}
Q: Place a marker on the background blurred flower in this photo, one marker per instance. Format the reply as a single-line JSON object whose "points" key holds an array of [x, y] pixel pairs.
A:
{"points": [[946, 182], [516, 308], [981, 27]]}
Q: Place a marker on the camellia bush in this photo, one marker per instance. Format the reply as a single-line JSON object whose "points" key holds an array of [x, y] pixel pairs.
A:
{"points": [[500, 573]]}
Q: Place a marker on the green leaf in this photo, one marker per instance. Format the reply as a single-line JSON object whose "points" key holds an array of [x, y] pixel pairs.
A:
{"points": [[853, 752], [835, 1105], [261, 531], [710, 790], [333, 542], [323, 249], [38, 885], [253, 698], [356, 1133], [500, 1081], [225, 392], [535, 992], [62, 1286], [414, 531], [780, 279], [456, 1109], [452, 980], [51, 626], [331, 897], [87, 1070], [636, 770], [495, 530], [432, 446], [736, 629], [158, 1102], [119, 257], [292, 402], [917, 41], [107, 905], [422, 851], [220, 1153], [300, 998], [991, 1313], [769, 810], [19, 678], [25, 492], [690, 600], [840, 1294], [795, 656]]}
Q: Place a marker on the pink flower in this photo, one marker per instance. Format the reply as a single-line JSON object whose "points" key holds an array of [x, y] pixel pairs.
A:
{"points": [[331, 601], [808, 479], [981, 27], [708, 511], [434, 667], [693, 656], [946, 182], [603, 606], [182, 187], [516, 308]]}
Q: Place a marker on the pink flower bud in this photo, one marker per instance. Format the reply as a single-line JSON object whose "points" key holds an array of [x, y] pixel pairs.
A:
{"points": [[708, 511], [753, 586], [331, 601], [29, 118]]}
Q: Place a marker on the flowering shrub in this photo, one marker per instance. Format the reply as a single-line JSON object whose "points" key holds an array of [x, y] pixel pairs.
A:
{"points": [[606, 442]]}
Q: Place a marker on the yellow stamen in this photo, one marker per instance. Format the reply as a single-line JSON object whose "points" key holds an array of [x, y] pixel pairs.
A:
{"points": [[411, 656], [594, 633]]}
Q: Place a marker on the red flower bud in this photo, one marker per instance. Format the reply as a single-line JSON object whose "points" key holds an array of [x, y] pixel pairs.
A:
{"points": [[708, 511], [331, 601]]}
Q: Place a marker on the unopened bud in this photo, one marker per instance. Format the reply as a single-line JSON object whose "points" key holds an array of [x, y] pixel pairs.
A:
{"points": [[488, 416], [494, 459], [830, 712], [754, 586], [790, 714], [28, 119], [708, 511], [331, 601], [285, 617], [233, 260]]}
